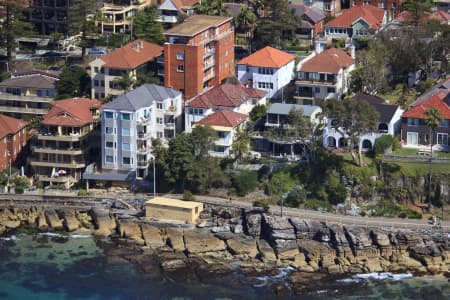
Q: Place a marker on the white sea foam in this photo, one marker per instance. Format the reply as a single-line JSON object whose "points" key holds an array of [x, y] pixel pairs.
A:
{"points": [[50, 234], [80, 236], [376, 276], [9, 238], [282, 273]]}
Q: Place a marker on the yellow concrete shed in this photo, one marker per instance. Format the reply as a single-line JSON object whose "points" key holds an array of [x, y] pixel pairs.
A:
{"points": [[169, 209]]}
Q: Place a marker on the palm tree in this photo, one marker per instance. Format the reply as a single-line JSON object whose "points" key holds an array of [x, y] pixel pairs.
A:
{"points": [[241, 144], [212, 8], [124, 82], [432, 119], [246, 21]]}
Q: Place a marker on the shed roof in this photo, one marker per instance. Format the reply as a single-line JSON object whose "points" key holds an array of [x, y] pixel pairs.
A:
{"points": [[196, 24], [173, 202], [285, 108]]}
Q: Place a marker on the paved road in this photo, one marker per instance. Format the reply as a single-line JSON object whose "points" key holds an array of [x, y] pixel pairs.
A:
{"points": [[413, 224]]}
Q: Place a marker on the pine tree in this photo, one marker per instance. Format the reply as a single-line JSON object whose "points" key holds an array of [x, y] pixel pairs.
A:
{"points": [[82, 21]]}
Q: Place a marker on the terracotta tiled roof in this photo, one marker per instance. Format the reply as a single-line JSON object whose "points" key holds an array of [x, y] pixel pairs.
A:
{"points": [[225, 118], [132, 55], [440, 15], [404, 17], [328, 61], [267, 57], [371, 14], [229, 95], [71, 112], [180, 4], [436, 101], [10, 125]]}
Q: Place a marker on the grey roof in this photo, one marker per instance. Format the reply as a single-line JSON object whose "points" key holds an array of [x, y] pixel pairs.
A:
{"points": [[142, 96], [386, 111], [300, 9], [443, 87], [284, 109], [31, 81], [235, 8]]}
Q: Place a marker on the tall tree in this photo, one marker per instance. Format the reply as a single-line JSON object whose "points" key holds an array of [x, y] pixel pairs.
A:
{"points": [[246, 23], [73, 82], [203, 138], [12, 25], [241, 143], [352, 119], [81, 21], [432, 119], [124, 82], [417, 8], [147, 27], [212, 8], [180, 160]]}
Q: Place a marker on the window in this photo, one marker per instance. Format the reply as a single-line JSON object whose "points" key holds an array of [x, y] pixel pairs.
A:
{"points": [[126, 160], [317, 90], [220, 149], [109, 115], [412, 138], [126, 146], [413, 122], [126, 116], [159, 135], [221, 134], [180, 68], [109, 159], [102, 82], [265, 71], [196, 111], [109, 144], [442, 138], [265, 85], [327, 7], [331, 90], [159, 105], [159, 120], [180, 56], [444, 123], [95, 82], [108, 130], [126, 131], [102, 71], [96, 69]]}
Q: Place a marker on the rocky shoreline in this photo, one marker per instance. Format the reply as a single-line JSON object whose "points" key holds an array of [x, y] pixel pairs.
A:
{"points": [[242, 245]]}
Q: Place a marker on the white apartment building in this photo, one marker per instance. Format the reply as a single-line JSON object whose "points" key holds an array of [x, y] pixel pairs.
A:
{"points": [[132, 120]]}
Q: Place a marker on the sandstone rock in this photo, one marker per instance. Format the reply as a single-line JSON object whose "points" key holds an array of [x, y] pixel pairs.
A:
{"points": [[152, 236], [279, 232], [238, 229], [53, 220], [130, 229], [104, 224], [224, 235], [339, 241], [266, 252], [11, 223], [175, 239], [42, 222], [252, 224], [70, 222], [199, 242], [243, 246]]}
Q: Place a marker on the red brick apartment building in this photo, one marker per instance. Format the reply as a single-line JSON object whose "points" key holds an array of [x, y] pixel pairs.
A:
{"points": [[199, 53], [13, 138]]}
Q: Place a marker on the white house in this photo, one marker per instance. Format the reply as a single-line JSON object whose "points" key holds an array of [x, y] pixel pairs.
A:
{"points": [[268, 69], [171, 10], [132, 120], [232, 97], [225, 123], [324, 75], [389, 123]]}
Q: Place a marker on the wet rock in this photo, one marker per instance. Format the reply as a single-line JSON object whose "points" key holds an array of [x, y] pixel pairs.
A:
{"points": [[130, 229], [105, 225], [175, 239], [200, 242], [53, 220], [152, 236], [70, 222], [266, 252]]}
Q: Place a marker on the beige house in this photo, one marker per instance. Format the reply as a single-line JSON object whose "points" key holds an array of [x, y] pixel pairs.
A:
{"points": [[162, 208], [136, 56]]}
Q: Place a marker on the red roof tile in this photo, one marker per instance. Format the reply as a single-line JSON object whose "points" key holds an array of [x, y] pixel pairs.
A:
{"points": [[132, 55], [226, 118], [180, 4], [10, 125], [437, 101], [71, 112], [371, 14], [267, 57], [229, 95], [328, 61], [440, 15]]}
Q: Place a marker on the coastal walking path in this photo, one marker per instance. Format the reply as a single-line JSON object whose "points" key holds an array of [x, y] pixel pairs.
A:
{"points": [[413, 224]]}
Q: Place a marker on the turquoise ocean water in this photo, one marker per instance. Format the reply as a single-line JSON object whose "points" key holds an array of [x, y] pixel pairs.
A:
{"points": [[51, 267]]}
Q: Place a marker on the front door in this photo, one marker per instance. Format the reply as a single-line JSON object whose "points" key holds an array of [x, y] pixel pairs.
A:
{"points": [[412, 138]]}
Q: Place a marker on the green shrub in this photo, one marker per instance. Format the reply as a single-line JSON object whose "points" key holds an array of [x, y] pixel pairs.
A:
{"points": [[245, 182], [295, 197], [22, 181], [261, 203], [316, 204], [83, 193], [396, 144], [39, 185], [19, 189], [187, 196], [383, 143]]}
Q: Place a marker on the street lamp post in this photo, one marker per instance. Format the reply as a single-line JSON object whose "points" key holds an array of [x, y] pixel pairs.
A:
{"points": [[154, 175]]}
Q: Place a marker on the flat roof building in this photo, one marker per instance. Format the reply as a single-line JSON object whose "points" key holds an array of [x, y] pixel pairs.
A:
{"points": [[169, 209]]}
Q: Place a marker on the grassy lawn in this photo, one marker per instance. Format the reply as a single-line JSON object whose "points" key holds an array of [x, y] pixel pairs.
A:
{"points": [[417, 168], [413, 152]]}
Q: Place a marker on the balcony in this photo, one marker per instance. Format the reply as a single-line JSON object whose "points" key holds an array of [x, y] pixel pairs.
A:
{"points": [[143, 121], [160, 60], [144, 149], [316, 81], [167, 19], [48, 136], [209, 52], [22, 98], [67, 151], [23, 110], [208, 76], [217, 37], [143, 136], [208, 65], [59, 164], [304, 95], [142, 164]]}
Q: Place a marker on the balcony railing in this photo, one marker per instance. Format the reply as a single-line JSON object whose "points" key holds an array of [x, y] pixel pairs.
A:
{"points": [[143, 135], [209, 52], [142, 163], [209, 76], [144, 149], [208, 65], [23, 110], [304, 94], [11, 97], [317, 81]]}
